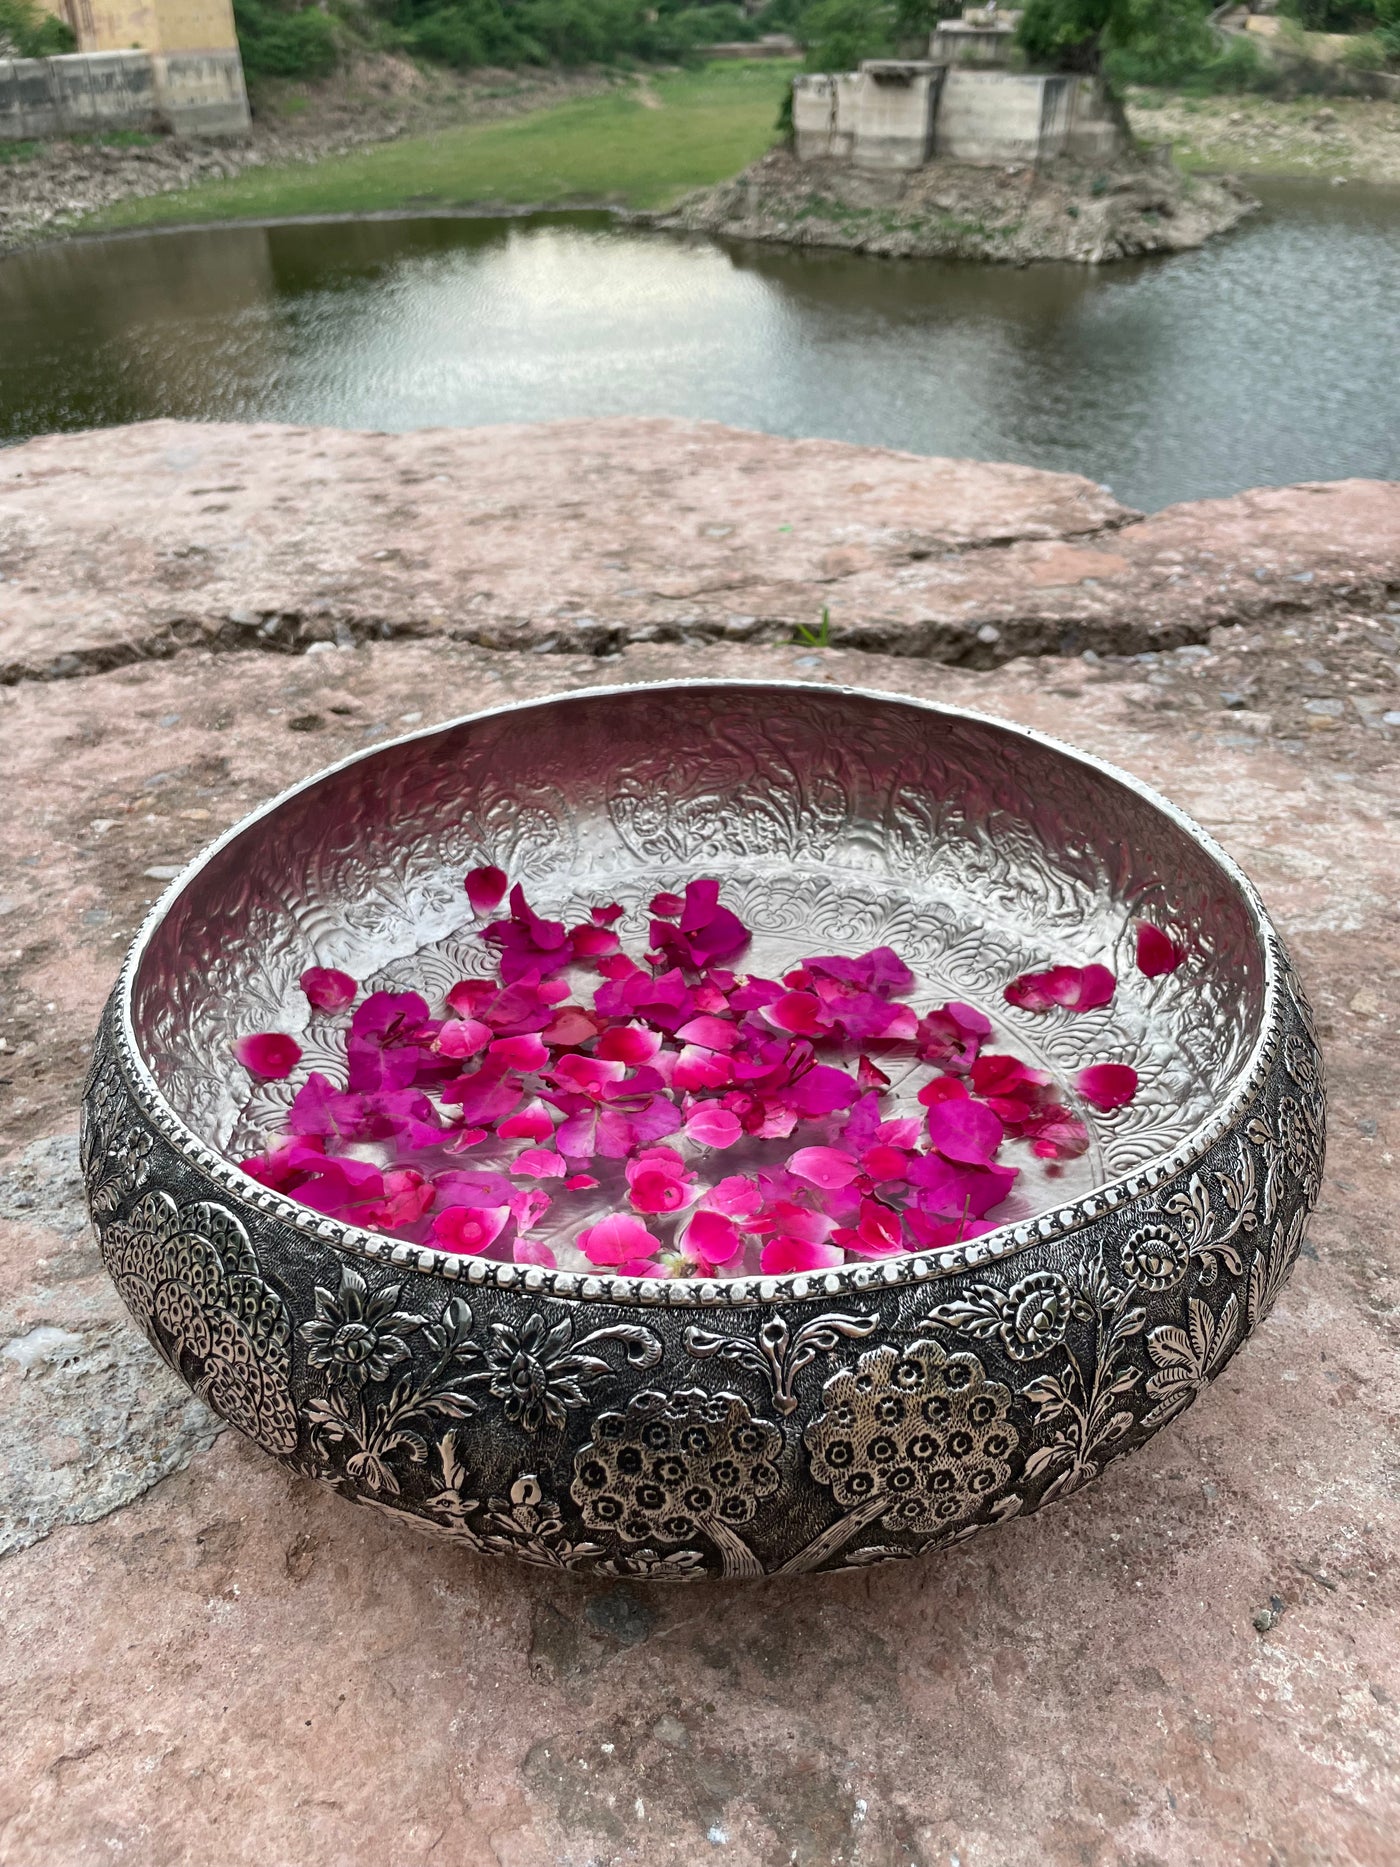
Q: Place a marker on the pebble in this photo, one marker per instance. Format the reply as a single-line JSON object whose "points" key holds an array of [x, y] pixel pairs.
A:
{"points": [[163, 872]]}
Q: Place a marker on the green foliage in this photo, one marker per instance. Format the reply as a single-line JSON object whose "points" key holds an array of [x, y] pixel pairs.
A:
{"points": [[26, 32], [1332, 15], [1167, 37], [838, 34], [280, 42]]}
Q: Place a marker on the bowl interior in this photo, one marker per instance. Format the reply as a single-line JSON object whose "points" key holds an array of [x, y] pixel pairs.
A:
{"points": [[835, 821]]}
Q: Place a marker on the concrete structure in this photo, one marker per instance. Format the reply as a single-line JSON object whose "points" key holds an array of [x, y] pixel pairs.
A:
{"points": [[141, 65], [978, 38], [899, 115]]}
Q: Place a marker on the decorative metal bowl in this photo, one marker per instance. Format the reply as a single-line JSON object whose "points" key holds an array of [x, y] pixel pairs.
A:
{"points": [[760, 1425]]}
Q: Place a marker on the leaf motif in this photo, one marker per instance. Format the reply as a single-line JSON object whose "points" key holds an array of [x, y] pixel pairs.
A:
{"points": [[1168, 1346], [643, 1345], [1046, 1390], [979, 1312], [1041, 1458]]}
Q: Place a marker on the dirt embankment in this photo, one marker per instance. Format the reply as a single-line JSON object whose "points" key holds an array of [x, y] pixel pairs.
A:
{"points": [[953, 210]]}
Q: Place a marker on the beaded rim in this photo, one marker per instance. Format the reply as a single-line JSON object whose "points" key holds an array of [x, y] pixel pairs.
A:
{"points": [[695, 1292]]}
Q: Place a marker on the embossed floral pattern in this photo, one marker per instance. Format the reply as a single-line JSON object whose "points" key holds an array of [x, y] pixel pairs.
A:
{"points": [[539, 1374], [676, 1465], [1156, 1257], [1187, 1359], [189, 1276], [1029, 1319], [917, 1437], [355, 1336]]}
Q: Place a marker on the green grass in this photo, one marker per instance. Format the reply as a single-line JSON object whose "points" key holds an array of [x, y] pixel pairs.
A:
{"points": [[619, 149]]}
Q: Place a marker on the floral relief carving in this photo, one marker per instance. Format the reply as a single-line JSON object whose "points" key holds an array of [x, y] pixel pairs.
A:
{"points": [[674, 1466], [1186, 1360], [114, 1151], [1029, 1319], [189, 1276], [536, 1370], [1080, 1403], [781, 1352], [914, 1436]]}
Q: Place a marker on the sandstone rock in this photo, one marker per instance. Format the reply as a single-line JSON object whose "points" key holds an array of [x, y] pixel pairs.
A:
{"points": [[240, 1666], [579, 537]]}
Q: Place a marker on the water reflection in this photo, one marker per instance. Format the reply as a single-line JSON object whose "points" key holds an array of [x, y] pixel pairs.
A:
{"points": [[1263, 358]]}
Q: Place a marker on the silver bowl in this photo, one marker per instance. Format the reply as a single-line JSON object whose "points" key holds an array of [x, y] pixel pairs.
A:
{"points": [[757, 1425]]}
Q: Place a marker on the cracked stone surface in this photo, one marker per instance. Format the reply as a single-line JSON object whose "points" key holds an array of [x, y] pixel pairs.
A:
{"points": [[1194, 1662]]}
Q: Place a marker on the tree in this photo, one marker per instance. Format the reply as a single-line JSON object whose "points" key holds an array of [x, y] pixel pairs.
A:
{"points": [[1074, 35]]}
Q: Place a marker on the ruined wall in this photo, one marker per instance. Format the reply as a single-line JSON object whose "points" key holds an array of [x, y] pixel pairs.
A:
{"points": [[898, 115], [192, 93]]}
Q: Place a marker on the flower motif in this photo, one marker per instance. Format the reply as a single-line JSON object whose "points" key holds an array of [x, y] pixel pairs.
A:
{"points": [[1300, 1060], [916, 1436], [355, 1336], [674, 1465], [1295, 1137], [1156, 1257], [1037, 1313], [530, 1525], [535, 1374]]}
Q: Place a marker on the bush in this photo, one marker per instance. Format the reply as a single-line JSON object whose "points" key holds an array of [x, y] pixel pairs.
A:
{"points": [[282, 44], [25, 32], [838, 34]]}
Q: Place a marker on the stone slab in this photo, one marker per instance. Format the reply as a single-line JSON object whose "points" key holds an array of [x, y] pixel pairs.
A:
{"points": [[1194, 1663]]}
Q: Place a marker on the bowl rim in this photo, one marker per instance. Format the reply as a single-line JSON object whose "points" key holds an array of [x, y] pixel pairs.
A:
{"points": [[719, 1292]]}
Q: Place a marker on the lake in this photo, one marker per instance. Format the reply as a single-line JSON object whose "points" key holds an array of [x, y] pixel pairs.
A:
{"points": [[1268, 356]]}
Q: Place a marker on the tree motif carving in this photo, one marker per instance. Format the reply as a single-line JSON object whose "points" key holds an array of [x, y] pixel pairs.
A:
{"points": [[676, 1466], [189, 1276]]}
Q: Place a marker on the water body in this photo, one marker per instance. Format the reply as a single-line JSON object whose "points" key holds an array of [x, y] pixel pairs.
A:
{"points": [[1268, 356]]}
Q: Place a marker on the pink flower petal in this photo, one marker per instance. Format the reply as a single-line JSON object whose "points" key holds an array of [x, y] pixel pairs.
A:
{"points": [[570, 1025], [737, 1196], [823, 1166], [539, 1163], [269, 1054], [462, 1037], [533, 1251], [698, 1068], [965, 1131], [1077, 988], [786, 1253], [1108, 1086], [532, 1123], [711, 1126], [801, 1014], [629, 1043], [486, 889], [667, 906], [711, 1240], [328, 990], [527, 1052], [712, 1033], [469, 1229], [617, 1239], [607, 915], [580, 1182], [1157, 952]]}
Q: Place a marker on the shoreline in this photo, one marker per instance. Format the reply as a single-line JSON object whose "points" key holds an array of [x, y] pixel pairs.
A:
{"points": [[408, 160]]}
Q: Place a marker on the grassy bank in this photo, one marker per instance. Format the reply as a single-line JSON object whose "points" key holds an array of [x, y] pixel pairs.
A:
{"points": [[643, 145], [1352, 138]]}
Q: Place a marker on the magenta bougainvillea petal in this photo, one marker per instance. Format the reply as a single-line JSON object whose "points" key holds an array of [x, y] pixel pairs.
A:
{"points": [[1077, 988], [786, 1253], [269, 1054], [712, 1240], [1157, 952], [1108, 1086], [823, 1166], [469, 1229], [486, 889], [965, 1130], [619, 1239], [710, 1126], [329, 990]]}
